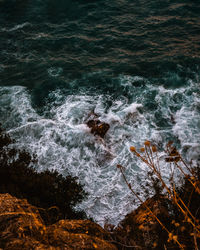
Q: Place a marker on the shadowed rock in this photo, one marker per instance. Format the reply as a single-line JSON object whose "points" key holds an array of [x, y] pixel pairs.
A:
{"points": [[140, 229]]}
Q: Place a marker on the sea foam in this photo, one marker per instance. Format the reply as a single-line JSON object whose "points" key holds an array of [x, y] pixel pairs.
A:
{"points": [[64, 143]]}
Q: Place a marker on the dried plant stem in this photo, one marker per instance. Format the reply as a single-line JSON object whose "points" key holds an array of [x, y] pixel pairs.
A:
{"points": [[195, 241], [174, 196], [187, 177], [147, 207], [151, 159]]}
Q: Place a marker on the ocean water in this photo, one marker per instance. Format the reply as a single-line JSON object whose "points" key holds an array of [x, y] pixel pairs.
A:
{"points": [[134, 63]]}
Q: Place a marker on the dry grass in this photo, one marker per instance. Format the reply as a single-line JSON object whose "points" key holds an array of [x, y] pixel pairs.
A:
{"points": [[185, 221]]}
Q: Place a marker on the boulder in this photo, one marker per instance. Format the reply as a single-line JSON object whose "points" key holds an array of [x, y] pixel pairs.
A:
{"points": [[98, 128]]}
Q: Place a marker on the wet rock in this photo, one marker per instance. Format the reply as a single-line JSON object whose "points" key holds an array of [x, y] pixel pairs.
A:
{"points": [[98, 128]]}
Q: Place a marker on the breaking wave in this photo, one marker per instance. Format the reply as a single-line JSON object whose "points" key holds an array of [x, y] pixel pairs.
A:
{"points": [[64, 143]]}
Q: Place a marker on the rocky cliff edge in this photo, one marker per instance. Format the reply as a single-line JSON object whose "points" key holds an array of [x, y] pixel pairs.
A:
{"points": [[21, 227]]}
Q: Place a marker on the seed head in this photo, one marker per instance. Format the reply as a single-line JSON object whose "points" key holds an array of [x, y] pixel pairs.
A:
{"points": [[132, 149], [154, 149], [142, 149], [147, 143]]}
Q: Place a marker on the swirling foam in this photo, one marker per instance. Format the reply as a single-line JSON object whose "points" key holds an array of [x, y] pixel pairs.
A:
{"points": [[63, 142]]}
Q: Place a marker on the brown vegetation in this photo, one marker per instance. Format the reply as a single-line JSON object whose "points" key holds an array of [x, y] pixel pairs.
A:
{"points": [[168, 220], [176, 217]]}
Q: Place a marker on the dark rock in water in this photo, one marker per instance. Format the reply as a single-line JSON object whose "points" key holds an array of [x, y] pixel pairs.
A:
{"points": [[98, 127]]}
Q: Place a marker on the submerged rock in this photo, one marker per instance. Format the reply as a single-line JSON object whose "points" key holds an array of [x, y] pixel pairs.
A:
{"points": [[21, 227]]}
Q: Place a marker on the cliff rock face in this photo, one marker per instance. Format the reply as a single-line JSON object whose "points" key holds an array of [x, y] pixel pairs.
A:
{"points": [[21, 227]]}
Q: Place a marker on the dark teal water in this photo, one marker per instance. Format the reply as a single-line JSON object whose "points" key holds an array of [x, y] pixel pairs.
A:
{"points": [[135, 63]]}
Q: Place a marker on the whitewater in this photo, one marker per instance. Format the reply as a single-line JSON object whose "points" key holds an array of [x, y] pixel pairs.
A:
{"points": [[62, 141], [136, 64]]}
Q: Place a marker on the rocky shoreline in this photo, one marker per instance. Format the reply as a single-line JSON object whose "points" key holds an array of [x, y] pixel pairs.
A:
{"points": [[36, 211], [22, 227]]}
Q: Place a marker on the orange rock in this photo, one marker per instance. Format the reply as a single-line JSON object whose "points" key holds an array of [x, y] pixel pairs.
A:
{"points": [[21, 227]]}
